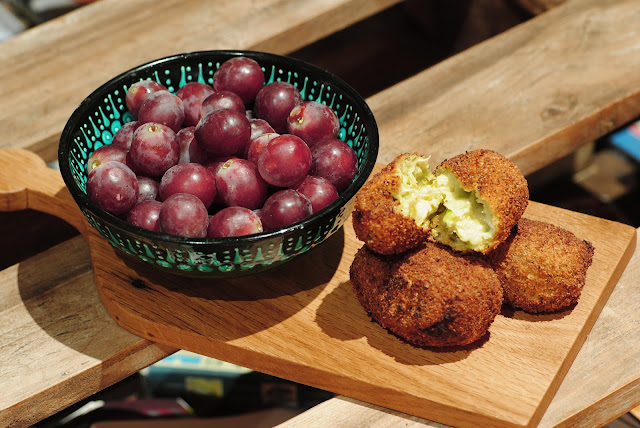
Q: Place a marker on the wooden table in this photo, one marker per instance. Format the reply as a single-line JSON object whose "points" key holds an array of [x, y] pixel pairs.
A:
{"points": [[535, 93]]}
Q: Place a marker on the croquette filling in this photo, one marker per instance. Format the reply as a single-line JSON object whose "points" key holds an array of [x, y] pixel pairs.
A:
{"points": [[455, 216], [465, 222], [419, 195]]}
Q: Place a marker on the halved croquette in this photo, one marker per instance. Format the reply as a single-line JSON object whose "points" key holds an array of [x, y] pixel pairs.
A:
{"points": [[378, 219], [470, 203], [485, 196]]}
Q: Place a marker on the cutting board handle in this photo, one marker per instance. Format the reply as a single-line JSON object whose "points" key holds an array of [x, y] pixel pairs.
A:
{"points": [[27, 183]]}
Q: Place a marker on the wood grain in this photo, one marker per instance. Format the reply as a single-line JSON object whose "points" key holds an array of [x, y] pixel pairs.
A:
{"points": [[50, 310], [302, 322], [59, 345], [602, 383], [27, 183], [47, 71], [534, 93], [590, 90], [583, 401], [613, 356], [345, 412]]}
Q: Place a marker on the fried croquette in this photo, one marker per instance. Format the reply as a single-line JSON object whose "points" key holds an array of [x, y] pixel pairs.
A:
{"points": [[542, 267], [377, 217], [469, 202], [430, 296], [485, 196]]}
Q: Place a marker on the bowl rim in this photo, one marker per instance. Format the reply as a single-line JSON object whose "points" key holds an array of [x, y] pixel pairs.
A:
{"points": [[345, 196]]}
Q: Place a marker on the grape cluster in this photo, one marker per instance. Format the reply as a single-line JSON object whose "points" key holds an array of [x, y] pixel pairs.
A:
{"points": [[232, 158]]}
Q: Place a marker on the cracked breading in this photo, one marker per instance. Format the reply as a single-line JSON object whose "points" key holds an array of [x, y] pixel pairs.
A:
{"points": [[542, 267], [469, 202], [377, 219], [430, 296]]}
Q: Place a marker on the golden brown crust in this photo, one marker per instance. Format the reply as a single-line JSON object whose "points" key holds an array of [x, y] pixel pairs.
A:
{"points": [[375, 220], [369, 274], [431, 296], [499, 183], [542, 267]]}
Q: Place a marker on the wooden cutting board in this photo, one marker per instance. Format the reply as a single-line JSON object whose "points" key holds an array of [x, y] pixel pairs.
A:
{"points": [[302, 322]]}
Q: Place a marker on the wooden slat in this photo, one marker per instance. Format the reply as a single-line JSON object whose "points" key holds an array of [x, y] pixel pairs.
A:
{"points": [[602, 384], [59, 345], [534, 93], [346, 412], [48, 70]]}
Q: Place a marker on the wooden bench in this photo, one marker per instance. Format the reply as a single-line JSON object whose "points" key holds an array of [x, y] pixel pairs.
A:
{"points": [[536, 93]]}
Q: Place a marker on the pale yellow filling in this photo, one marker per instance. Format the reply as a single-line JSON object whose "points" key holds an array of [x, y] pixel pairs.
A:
{"points": [[419, 196], [456, 217]]}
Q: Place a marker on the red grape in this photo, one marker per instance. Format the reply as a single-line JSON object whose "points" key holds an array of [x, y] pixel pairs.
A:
{"points": [[319, 190], [190, 150], [234, 221], [147, 189], [192, 95], [274, 102], [138, 92], [129, 162], [259, 127], [113, 187], [124, 136], [215, 163], [241, 75], [285, 161], [154, 150], [239, 184], [183, 214], [145, 215], [334, 160], [162, 107], [105, 154], [283, 208], [222, 99], [313, 121], [259, 143], [223, 132], [191, 178]]}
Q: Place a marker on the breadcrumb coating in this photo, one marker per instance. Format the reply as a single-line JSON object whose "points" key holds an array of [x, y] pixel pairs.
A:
{"points": [[430, 296], [542, 267], [376, 220]]}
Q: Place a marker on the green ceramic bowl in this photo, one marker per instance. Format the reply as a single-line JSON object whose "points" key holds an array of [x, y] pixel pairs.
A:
{"points": [[102, 113]]}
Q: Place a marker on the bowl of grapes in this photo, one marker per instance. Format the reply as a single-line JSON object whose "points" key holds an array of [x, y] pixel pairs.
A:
{"points": [[218, 163]]}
